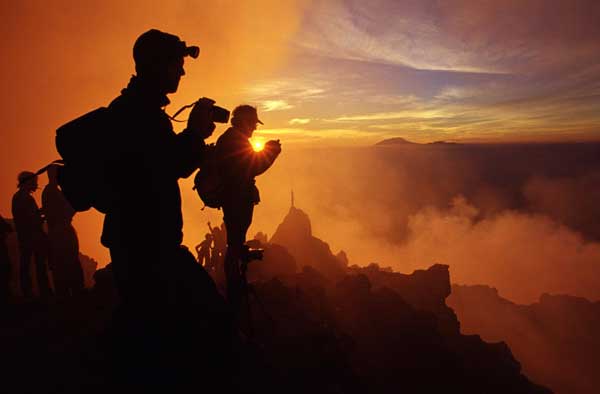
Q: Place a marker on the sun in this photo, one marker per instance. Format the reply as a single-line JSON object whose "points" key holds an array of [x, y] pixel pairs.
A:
{"points": [[258, 145]]}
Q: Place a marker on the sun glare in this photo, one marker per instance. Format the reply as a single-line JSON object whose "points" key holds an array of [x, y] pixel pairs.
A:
{"points": [[258, 145]]}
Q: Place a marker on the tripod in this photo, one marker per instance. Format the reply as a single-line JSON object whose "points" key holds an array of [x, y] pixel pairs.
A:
{"points": [[247, 289]]}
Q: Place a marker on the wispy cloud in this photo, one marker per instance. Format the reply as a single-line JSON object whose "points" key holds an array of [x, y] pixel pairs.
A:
{"points": [[275, 105], [459, 69], [299, 121], [331, 136], [461, 35], [290, 88]]}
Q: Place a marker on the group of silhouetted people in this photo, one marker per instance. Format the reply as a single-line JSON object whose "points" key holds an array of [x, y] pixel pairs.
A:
{"points": [[210, 253], [169, 304], [46, 238]]}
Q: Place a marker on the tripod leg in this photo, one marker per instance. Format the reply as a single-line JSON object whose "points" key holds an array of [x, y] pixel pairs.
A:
{"points": [[246, 295]]}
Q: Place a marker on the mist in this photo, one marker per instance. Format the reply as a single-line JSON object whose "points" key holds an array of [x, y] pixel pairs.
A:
{"points": [[509, 216]]}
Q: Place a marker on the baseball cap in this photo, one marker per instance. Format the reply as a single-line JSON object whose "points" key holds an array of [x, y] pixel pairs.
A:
{"points": [[246, 112]]}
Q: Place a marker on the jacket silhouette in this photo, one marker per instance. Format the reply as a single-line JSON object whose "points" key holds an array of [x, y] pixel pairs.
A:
{"points": [[63, 248], [30, 234], [168, 302], [238, 165]]}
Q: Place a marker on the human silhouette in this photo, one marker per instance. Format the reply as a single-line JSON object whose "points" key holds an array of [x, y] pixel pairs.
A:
{"points": [[238, 165], [5, 266], [63, 250], [203, 252], [32, 239], [217, 255], [167, 299]]}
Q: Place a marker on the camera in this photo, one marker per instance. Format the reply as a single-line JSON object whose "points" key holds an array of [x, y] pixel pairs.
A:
{"points": [[251, 254], [220, 114]]}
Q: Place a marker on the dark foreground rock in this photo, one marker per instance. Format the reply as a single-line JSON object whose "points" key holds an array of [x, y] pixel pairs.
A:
{"points": [[371, 331]]}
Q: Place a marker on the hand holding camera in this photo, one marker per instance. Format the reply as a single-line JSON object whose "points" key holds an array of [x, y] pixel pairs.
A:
{"points": [[273, 146], [201, 117]]}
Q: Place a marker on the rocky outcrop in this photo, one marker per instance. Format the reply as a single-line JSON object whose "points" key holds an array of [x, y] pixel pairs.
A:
{"points": [[361, 334], [316, 325], [295, 234], [424, 290], [556, 339], [276, 262]]}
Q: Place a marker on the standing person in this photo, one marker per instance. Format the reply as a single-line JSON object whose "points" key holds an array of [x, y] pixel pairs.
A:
{"points": [[63, 244], [167, 299], [238, 165], [219, 235], [30, 234], [5, 265], [203, 251]]}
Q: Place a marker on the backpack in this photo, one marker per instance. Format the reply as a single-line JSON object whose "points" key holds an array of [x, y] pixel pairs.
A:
{"points": [[208, 182], [83, 144]]}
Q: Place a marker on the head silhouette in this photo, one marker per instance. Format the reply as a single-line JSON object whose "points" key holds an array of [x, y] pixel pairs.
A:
{"points": [[27, 181], [159, 60], [245, 119]]}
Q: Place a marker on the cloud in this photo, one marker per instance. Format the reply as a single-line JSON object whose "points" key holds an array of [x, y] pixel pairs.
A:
{"points": [[525, 225], [330, 137], [275, 105], [462, 36], [291, 88], [299, 121], [523, 255], [465, 70]]}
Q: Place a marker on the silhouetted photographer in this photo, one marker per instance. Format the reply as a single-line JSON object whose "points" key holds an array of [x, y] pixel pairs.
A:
{"points": [[125, 161], [238, 165]]}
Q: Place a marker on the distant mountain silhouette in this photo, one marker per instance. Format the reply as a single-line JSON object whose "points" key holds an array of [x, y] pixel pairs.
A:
{"points": [[403, 141], [443, 143], [556, 339], [396, 141]]}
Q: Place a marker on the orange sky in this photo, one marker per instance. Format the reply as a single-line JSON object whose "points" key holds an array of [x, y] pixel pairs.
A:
{"points": [[62, 59], [338, 72]]}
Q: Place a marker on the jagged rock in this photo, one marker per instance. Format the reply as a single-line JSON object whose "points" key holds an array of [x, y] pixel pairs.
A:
{"points": [[277, 261], [89, 266], [295, 234], [424, 290], [388, 345], [329, 328], [556, 339], [342, 257]]}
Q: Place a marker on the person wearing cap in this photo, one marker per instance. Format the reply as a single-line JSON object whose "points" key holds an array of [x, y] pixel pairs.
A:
{"points": [[161, 287], [150, 160], [30, 234], [238, 165]]}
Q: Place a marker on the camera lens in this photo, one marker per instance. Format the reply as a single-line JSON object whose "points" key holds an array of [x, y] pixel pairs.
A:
{"points": [[220, 115]]}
